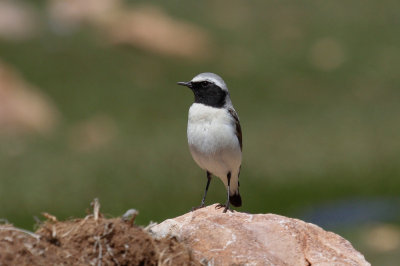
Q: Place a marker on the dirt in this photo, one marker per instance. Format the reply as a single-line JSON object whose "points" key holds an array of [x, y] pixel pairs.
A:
{"points": [[93, 240]]}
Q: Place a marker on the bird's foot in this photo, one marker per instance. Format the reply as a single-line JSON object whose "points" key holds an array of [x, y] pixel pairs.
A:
{"points": [[225, 206], [198, 207]]}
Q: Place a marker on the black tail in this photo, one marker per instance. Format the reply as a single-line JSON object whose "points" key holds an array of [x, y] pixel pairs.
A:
{"points": [[236, 200]]}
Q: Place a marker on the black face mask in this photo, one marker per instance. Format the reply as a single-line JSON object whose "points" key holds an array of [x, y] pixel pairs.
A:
{"points": [[208, 94]]}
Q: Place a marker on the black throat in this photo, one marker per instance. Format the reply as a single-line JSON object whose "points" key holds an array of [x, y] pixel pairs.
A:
{"points": [[208, 94]]}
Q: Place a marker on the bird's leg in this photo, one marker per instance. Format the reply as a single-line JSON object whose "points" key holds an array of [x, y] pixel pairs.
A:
{"points": [[227, 201], [205, 192]]}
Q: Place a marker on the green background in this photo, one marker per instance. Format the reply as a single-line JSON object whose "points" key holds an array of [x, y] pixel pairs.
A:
{"points": [[313, 138]]}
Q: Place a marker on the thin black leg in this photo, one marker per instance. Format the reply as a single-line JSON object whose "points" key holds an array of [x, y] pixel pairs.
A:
{"points": [[229, 189], [205, 192], [227, 201]]}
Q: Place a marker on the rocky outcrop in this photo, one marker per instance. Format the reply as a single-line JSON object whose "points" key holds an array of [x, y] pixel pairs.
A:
{"points": [[237, 238]]}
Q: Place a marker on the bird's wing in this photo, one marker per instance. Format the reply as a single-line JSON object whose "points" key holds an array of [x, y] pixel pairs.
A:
{"points": [[238, 132]]}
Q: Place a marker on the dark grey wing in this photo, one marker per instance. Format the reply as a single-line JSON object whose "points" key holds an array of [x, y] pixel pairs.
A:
{"points": [[235, 117]]}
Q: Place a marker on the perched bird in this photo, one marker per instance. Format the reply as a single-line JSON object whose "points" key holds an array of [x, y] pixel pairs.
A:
{"points": [[214, 134]]}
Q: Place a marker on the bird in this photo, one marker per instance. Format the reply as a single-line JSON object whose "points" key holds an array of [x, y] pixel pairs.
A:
{"points": [[214, 135]]}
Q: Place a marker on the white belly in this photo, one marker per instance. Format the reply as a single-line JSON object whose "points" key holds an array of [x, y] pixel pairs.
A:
{"points": [[213, 143]]}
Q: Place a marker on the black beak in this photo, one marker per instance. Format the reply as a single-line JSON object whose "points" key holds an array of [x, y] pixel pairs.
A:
{"points": [[186, 84]]}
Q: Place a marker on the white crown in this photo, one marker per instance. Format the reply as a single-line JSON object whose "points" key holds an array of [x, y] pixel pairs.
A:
{"points": [[211, 77]]}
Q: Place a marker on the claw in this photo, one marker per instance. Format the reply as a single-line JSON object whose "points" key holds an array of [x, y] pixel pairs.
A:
{"points": [[226, 207], [198, 207]]}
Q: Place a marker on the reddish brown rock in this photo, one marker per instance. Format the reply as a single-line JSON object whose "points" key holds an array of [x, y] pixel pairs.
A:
{"points": [[258, 239]]}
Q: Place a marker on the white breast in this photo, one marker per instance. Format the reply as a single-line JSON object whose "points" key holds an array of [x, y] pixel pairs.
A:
{"points": [[212, 140]]}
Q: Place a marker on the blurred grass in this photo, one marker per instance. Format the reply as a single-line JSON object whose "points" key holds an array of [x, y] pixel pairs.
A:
{"points": [[311, 135]]}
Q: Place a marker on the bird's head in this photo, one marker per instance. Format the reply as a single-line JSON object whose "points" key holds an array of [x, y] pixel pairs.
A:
{"points": [[209, 89]]}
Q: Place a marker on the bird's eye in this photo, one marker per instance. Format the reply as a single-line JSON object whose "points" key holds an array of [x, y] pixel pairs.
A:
{"points": [[204, 83]]}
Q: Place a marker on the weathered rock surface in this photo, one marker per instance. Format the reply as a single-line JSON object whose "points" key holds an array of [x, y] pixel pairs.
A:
{"points": [[258, 239]]}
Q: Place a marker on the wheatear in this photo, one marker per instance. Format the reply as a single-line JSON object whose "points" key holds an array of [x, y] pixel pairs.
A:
{"points": [[214, 134]]}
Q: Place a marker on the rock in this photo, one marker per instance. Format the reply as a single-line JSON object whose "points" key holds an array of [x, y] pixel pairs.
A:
{"points": [[257, 239]]}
